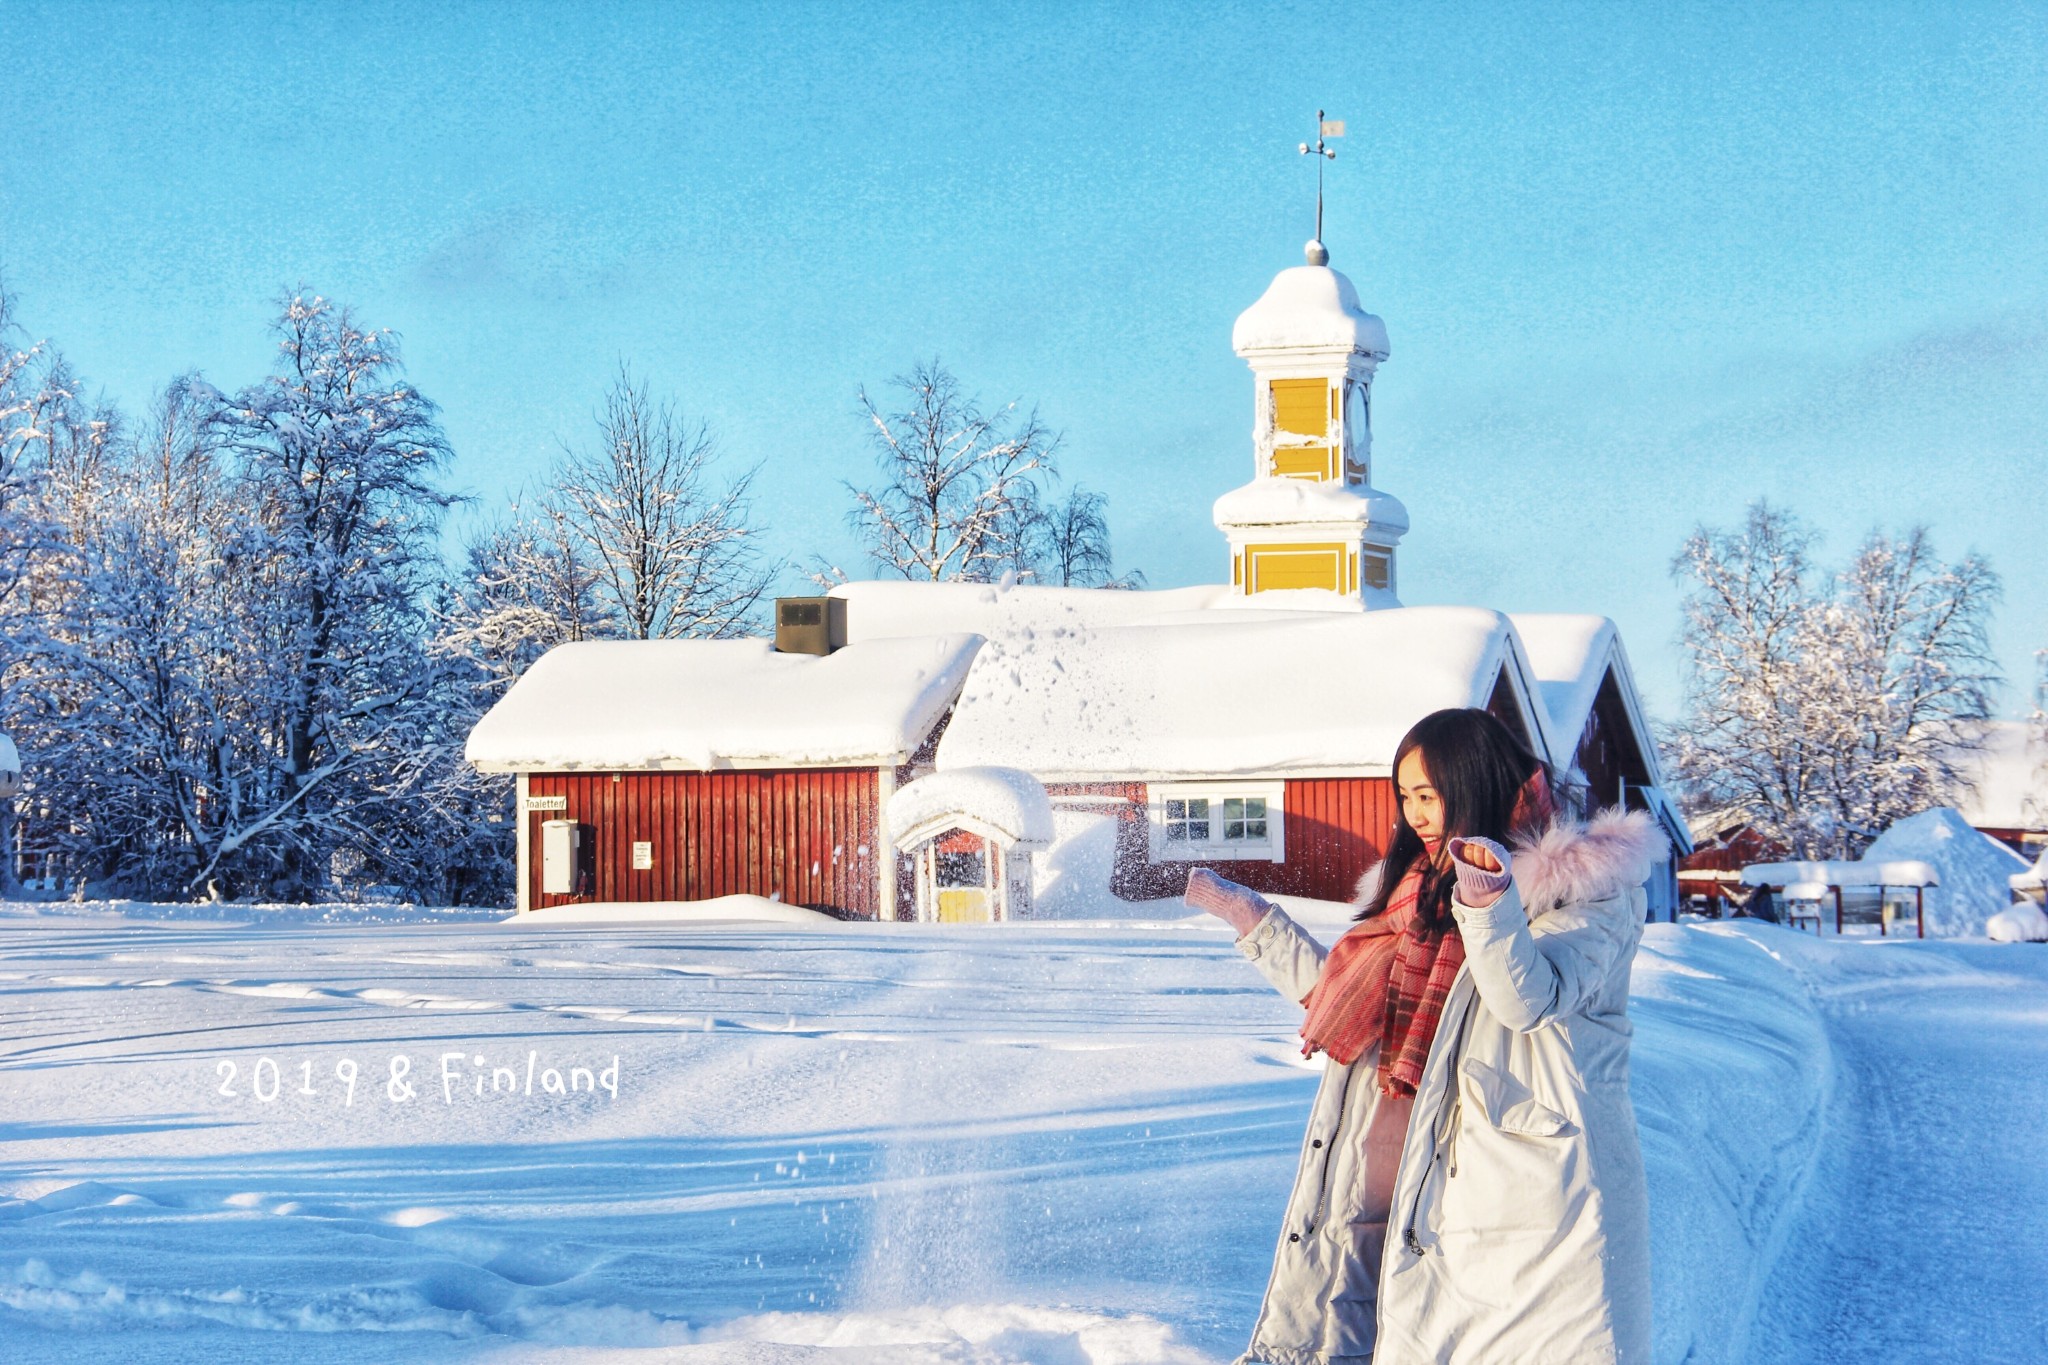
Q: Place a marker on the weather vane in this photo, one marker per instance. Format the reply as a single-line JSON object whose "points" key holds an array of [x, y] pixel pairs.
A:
{"points": [[1325, 128]]}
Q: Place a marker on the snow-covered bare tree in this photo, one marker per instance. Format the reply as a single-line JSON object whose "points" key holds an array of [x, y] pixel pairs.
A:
{"points": [[137, 700], [220, 660], [527, 584], [962, 490], [1076, 544], [673, 552], [336, 456], [37, 399], [1827, 706], [1909, 677]]}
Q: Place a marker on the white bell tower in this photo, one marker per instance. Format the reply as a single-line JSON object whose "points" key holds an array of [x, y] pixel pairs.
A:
{"points": [[1310, 517]]}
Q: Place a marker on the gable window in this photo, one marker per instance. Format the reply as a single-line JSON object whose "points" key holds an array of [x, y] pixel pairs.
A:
{"points": [[1217, 821]]}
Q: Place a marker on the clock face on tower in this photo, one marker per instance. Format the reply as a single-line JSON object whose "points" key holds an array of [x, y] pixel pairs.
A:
{"points": [[1357, 435]]}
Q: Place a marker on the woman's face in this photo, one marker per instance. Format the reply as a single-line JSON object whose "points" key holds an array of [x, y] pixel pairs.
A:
{"points": [[1421, 807]]}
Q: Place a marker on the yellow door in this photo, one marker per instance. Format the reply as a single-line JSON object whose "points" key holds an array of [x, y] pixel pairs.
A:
{"points": [[963, 905]]}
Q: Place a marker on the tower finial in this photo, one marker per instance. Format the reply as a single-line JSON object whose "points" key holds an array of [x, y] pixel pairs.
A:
{"points": [[1325, 128]]}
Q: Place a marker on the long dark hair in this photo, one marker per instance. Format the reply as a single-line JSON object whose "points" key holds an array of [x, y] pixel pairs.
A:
{"points": [[1479, 770]]}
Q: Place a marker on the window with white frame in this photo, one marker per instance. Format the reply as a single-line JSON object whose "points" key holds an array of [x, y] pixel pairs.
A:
{"points": [[1209, 822]]}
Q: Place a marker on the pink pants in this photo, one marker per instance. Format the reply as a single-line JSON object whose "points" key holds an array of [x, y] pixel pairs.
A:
{"points": [[1383, 1152], [1383, 1140]]}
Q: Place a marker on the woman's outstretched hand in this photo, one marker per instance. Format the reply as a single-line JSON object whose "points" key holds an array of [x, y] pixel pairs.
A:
{"points": [[1238, 906], [1483, 870]]}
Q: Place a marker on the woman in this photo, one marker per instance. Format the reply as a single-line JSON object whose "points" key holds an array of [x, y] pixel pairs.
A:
{"points": [[1470, 1187]]}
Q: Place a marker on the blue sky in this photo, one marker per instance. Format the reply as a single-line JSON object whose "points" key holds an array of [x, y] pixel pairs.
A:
{"points": [[1640, 264]]}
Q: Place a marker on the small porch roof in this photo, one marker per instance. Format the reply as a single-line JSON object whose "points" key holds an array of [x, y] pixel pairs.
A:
{"points": [[1004, 804]]}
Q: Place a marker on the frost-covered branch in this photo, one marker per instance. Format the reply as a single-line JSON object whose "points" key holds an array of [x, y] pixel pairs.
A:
{"points": [[961, 491], [674, 553]]}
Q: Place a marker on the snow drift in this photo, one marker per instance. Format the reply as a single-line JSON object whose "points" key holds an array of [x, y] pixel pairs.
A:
{"points": [[1974, 869]]}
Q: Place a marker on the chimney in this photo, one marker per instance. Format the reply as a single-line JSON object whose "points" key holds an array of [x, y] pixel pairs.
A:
{"points": [[809, 625]]}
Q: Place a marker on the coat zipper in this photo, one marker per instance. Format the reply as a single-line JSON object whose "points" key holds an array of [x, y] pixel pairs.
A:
{"points": [[1329, 1151], [1440, 1151], [1444, 1134]]}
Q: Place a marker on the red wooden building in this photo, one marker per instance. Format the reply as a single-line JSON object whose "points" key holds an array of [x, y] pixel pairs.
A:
{"points": [[1261, 743], [689, 770]]}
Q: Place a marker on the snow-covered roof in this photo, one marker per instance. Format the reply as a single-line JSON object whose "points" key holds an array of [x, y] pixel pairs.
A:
{"points": [[2011, 777], [1005, 803], [704, 704], [884, 610], [1842, 872], [10, 757], [1280, 502], [1309, 307], [1296, 694], [1713, 825], [1571, 655]]}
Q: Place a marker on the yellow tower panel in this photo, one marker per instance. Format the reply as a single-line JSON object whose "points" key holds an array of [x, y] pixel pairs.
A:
{"points": [[1305, 462], [1275, 568], [1301, 407]]}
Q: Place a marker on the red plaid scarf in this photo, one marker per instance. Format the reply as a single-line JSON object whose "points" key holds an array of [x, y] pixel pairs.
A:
{"points": [[1385, 984]]}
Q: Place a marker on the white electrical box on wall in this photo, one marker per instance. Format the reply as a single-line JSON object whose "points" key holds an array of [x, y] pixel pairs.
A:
{"points": [[560, 843]]}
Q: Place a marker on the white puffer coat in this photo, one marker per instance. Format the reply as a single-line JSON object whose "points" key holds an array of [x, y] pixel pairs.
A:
{"points": [[1519, 1232]]}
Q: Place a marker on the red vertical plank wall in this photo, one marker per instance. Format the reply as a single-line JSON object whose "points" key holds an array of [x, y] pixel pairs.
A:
{"points": [[805, 837], [1337, 827]]}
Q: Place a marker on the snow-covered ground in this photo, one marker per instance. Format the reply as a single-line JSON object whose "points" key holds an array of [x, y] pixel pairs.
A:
{"points": [[1056, 1143]]}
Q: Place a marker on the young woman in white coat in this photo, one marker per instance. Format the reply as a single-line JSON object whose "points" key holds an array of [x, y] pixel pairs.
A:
{"points": [[1470, 1189]]}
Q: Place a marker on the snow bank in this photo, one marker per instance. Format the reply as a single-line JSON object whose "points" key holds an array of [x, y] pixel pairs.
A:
{"points": [[1731, 1075], [985, 1334], [281, 914], [2023, 923], [1307, 694], [1007, 802], [703, 704], [1309, 307], [718, 908], [1973, 868]]}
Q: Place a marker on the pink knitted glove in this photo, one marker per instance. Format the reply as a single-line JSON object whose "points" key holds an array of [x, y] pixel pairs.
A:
{"points": [[1484, 870], [1239, 906]]}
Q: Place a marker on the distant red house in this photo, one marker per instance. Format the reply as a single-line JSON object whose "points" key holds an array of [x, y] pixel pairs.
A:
{"points": [[1724, 842]]}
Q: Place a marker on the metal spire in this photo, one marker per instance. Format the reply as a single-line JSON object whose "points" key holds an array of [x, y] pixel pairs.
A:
{"points": [[1325, 128]]}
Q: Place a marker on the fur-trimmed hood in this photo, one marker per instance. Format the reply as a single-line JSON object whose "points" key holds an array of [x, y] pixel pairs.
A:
{"points": [[1575, 862]]}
